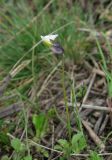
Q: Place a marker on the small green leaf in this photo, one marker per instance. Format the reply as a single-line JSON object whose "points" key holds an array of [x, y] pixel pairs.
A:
{"points": [[62, 158], [4, 138], [5, 158], [110, 88], [1, 122], [40, 122], [63, 142], [78, 142], [27, 158], [58, 147], [65, 147], [45, 153], [94, 156], [17, 145]]}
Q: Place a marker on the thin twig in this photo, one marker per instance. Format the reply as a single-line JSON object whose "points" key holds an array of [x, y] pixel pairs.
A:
{"points": [[4, 84], [99, 72], [4, 112], [93, 135], [88, 90], [39, 145], [48, 79], [89, 106], [103, 125], [11, 74], [98, 123], [4, 98]]}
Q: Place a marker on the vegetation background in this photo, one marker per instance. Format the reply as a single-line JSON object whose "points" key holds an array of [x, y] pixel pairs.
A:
{"points": [[55, 107]]}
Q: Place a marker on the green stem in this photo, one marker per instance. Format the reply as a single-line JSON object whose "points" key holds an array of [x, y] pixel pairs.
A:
{"points": [[26, 130], [65, 100], [25, 113], [76, 109]]}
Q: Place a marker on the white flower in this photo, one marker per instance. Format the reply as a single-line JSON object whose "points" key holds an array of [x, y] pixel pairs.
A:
{"points": [[49, 38]]}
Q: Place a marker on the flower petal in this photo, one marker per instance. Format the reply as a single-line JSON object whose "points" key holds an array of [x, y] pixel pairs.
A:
{"points": [[53, 36], [49, 37]]}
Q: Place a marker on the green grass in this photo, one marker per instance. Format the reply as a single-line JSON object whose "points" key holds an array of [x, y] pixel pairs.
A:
{"points": [[106, 69], [21, 31]]}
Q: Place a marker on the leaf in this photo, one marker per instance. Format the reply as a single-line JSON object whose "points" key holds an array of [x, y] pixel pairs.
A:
{"points": [[40, 122], [78, 142], [17, 145], [64, 146], [110, 88], [27, 158], [94, 156], [63, 142], [4, 138], [61, 158], [5, 158], [58, 147], [44, 152], [1, 122]]}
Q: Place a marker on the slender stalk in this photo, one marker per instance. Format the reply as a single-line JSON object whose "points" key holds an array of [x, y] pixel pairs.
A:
{"points": [[76, 109], [65, 100], [25, 113], [33, 64], [26, 130]]}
